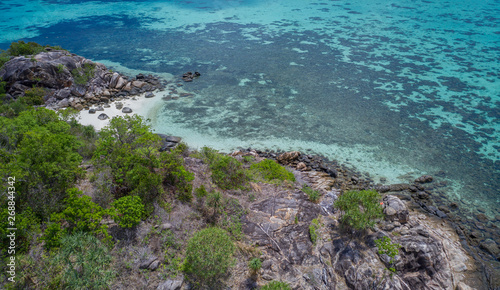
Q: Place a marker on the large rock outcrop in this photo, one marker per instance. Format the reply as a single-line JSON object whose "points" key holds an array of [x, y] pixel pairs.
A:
{"points": [[70, 80], [430, 256]]}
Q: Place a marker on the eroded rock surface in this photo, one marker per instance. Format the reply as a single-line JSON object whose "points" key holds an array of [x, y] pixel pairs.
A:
{"points": [[429, 258]]}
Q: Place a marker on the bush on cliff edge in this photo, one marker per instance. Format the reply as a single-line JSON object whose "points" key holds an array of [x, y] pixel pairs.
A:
{"points": [[360, 208]]}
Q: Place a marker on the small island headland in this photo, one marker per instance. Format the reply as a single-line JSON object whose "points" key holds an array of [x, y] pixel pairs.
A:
{"points": [[145, 197]]}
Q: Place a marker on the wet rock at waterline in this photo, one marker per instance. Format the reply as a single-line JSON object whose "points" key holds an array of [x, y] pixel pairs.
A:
{"points": [[189, 76]]}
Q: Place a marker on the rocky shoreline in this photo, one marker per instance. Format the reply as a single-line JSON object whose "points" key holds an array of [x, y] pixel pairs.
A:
{"points": [[438, 240], [479, 237]]}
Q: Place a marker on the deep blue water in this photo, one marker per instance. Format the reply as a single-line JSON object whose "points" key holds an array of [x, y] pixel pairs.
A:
{"points": [[394, 88]]}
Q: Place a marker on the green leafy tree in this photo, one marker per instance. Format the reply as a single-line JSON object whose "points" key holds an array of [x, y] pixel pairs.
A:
{"points": [[360, 208], [53, 235], [39, 151], [128, 211], [209, 255], [130, 150], [27, 225]]}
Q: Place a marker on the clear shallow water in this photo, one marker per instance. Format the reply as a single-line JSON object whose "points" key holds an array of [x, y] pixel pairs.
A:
{"points": [[395, 88]]}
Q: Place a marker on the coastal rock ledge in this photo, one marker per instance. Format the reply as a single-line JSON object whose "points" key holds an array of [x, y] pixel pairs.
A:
{"points": [[69, 80], [430, 257]]}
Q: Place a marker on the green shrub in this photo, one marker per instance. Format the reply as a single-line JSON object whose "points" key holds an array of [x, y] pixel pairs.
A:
{"points": [[37, 272], [3, 89], [84, 74], [85, 262], [13, 108], [200, 191], [22, 48], [34, 96], [53, 235], [360, 208], [385, 246], [26, 223], [177, 175], [312, 230], [248, 158], [60, 68], [128, 211], [4, 57], [181, 149], [214, 201], [209, 255], [255, 264], [227, 172], [313, 195], [83, 215], [271, 170], [276, 285]]}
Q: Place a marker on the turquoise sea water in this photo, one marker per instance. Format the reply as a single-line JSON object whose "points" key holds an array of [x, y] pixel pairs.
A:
{"points": [[395, 88]]}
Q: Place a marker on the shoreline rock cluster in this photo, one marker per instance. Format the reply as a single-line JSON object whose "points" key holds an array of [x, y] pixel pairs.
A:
{"points": [[70, 80]]}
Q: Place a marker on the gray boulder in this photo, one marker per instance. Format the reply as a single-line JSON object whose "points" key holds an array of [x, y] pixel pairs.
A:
{"points": [[173, 139], [395, 209], [171, 284], [126, 110], [103, 116], [151, 263]]}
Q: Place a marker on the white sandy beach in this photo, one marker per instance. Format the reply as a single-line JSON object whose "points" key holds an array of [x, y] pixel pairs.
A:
{"points": [[145, 107]]}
